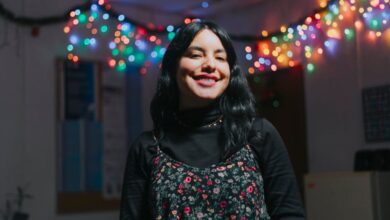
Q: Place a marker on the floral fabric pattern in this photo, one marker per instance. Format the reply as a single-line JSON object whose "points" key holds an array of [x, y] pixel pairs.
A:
{"points": [[232, 189]]}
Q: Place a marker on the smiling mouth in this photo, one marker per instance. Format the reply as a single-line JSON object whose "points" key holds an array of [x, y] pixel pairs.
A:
{"points": [[205, 81]]}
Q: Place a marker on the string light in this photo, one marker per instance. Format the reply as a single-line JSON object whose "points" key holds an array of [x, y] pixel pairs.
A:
{"points": [[319, 33]]}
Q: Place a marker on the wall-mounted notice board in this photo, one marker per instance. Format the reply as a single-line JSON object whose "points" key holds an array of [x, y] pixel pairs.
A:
{"points": [[376, 108]]}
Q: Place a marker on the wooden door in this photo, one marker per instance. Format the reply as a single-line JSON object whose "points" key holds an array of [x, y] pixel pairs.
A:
{"points": [[280, 99]]}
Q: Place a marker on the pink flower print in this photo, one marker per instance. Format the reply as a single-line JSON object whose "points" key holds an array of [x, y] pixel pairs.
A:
{"points": [[240, 163], [204, 196], [216, 190], [221, 168], [233, 217], [250, 189], [181, 186], [207, 176], [242, 195], [209, 182], [180, 191], [156, 160], [223, 204], [243, 218], [187, 179], [199, 190], [187, 210]]}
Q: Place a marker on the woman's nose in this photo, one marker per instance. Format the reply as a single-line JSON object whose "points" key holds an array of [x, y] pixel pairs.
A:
{"points": [[209, 65]]}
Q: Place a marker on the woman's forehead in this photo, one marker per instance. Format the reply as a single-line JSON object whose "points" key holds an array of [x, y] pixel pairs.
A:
{"points": [[206, 39]]}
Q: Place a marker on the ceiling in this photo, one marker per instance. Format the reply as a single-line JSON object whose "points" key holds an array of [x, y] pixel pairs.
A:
{"points": [[190, 8]]}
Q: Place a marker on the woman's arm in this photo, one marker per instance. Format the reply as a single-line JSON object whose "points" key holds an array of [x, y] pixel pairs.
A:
{"points": [[280, 186], [134, 204]]}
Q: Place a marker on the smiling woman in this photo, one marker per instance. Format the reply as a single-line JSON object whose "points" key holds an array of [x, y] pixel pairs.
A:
{"points": [[203, 72], [208, 156]]}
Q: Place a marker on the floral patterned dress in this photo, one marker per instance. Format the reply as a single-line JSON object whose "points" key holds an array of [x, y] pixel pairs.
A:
{"points": [[232, 189]]}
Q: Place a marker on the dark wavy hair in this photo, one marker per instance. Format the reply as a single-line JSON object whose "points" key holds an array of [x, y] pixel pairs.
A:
{"points": [[236, 104]]}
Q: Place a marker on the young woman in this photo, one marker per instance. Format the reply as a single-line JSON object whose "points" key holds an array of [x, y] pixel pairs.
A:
{"points": [[208, 156]]}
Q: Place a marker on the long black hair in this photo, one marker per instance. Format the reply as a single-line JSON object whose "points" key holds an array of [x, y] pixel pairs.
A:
{"points": [[236, 104]]}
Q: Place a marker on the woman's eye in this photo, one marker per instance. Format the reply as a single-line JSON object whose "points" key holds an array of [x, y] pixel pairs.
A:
{"points": [[221, 58], [195, 55]]}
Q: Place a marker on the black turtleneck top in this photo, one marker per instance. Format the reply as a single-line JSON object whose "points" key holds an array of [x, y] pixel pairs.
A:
{"points": [[190, 140]]}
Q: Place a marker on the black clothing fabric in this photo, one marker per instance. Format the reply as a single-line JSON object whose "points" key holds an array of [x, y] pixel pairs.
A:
{"points": [[191, 141]]}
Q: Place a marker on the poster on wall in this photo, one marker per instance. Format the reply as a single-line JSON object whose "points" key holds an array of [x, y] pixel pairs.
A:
{"points": [[114, 132], [99, 113], [80, 128]]}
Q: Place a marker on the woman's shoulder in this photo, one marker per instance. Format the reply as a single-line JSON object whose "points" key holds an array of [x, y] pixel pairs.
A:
{"points": [[145, 141], [262, 128]]}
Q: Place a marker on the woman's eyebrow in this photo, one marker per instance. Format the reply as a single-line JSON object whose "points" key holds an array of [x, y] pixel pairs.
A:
{"points": [[203, 50]]}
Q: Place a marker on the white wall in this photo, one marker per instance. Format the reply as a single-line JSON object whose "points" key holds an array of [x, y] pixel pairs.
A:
{"points": [[27, 88]]}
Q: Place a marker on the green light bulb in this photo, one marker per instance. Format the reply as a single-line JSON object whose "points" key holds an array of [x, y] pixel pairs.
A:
{"points": [[70, 47], [82, 19], [115, 52], [310, 67], [374, 24], [104, 28], [349, 34], [86, 41], [171, 35]]}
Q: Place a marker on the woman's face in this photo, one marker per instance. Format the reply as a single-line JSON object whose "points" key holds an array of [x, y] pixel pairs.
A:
{"points": [[203, 71]]}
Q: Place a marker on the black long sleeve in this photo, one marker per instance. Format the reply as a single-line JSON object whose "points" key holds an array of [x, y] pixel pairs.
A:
{"points": [[280, 187], [135, 195], [201, 147]]}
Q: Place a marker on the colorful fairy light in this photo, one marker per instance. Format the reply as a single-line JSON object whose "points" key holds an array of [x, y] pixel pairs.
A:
{"points": [[129, 44], [318, 34], [321, 32]]}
